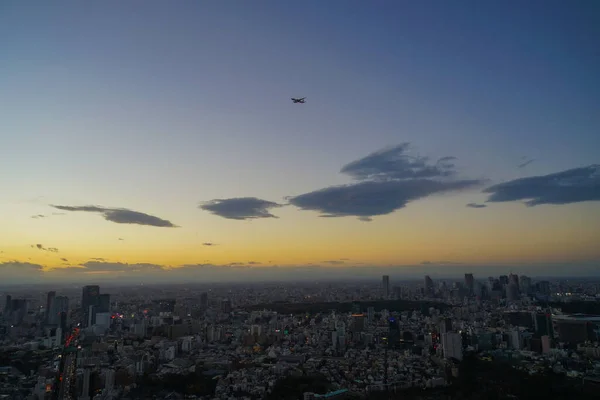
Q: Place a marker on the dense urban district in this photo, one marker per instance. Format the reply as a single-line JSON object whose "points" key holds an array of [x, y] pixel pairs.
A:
{"points": [[506, 337]]}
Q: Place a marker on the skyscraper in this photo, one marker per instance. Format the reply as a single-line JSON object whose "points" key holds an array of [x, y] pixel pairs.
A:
{"points": [[452, 345], [60, 304], [386, 286], [470, 283], [90, 297], [104, 303], [428, 286], [49, 300]]}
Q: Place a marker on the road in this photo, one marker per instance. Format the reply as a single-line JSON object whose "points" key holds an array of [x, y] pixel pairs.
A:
{"points": [[67, 374]]}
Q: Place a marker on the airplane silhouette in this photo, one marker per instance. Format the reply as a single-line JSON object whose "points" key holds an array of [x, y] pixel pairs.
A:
{"points": [[302, 100]]}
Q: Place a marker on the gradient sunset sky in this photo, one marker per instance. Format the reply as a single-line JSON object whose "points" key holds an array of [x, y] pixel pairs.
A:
{"points": [[148, 135]]}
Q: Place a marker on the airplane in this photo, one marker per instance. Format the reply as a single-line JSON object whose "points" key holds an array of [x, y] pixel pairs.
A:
{"points": [[302, 100]]}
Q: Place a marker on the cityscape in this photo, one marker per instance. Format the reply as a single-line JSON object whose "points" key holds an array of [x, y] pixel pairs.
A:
{"points": [[322, 340], [278, 200]]}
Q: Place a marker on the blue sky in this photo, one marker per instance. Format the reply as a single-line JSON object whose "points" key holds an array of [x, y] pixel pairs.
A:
{"points": [[159, 105]]}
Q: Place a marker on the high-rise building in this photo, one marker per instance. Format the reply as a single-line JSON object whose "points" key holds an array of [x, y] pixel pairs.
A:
{"points": [[445, 326], [452, 345], [60, 304], [512, 292], [371, 314], [90, 297], [204, 301], [49, 300], [358, 322], [386, 286], [394, 333], [525, 284], [7, 304], [428, 286], [104, 303], [470, 283], [543, 325]]}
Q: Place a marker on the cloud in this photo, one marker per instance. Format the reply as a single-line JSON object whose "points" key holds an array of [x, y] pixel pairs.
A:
{"points": [[208, 244], [334, 262], [441, 263], [395, 163], [526, 163], [570, 186], [368, 199], [64, 259], [40, 247], [121, 215], [98, 259], [388, 180], [253, 262], [121, 239], [240, 208], [38, 216], [476, 205]]}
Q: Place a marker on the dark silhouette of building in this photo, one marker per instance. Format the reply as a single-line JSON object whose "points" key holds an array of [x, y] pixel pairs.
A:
{"points": [[90, 298], [386, 286], [470, 283], [428, 286]]}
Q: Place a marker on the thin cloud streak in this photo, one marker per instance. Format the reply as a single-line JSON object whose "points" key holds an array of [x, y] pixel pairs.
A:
{"points": [[121, 215]]}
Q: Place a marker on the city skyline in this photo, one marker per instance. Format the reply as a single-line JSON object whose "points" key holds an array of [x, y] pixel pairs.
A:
{"points": [[155, 140]]}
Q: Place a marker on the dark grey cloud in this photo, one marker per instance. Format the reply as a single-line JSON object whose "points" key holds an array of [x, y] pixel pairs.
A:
{"points": [[395, 163], [388, 180], [476, 205], [208, 244], [38, 216], [526, 163], [240, 208], [121, 239], [41, 247], [64, 259], [570, 186], [94, 266], [253, 262], [371, 198], [121, 215], [98, 259]]}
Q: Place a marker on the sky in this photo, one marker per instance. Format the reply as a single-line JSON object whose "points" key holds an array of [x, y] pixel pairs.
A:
{"points": [[155, 140]]}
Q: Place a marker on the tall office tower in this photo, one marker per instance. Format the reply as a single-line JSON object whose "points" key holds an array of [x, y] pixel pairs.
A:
{"points": [[428, 286], [104, 303], [90, 297], [386, 286], [7, 304], [503, 280], [445, 326], [512, 292], [525, 284], [59, 305], [543, 325], [543, 287], [49, 300], [452, 345], [513, 278], [394, 333], [204, 301], [358, 322], [371, 314], [470, 283]]}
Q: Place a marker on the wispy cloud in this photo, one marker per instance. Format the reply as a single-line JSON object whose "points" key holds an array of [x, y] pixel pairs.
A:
{"points": [[441, 263], [208, 244], [41, 247], [240, 208], [38, 216], [334, 262], [388, 180], [121, 215], [64, 259], [570, 186], [526, 163], [476, 205]]}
